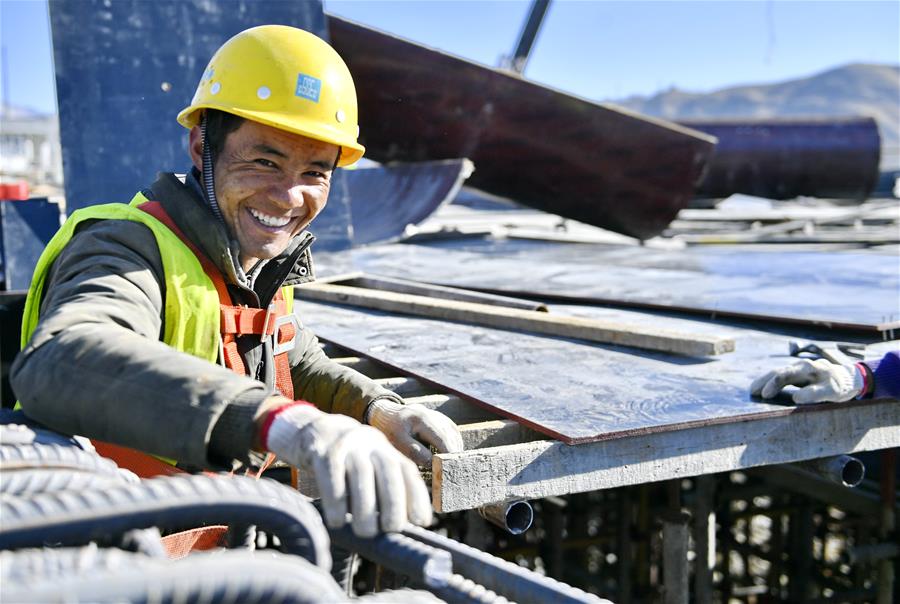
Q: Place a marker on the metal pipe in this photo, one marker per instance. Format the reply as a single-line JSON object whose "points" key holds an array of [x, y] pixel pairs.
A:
{"points": [[513, 516], [426, 565], [842, 469], [787, 158], [791, 478], [505, 578], [528, 35]]}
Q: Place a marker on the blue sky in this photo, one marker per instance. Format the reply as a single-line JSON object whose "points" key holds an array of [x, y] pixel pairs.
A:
{"points": [[597, 49]]}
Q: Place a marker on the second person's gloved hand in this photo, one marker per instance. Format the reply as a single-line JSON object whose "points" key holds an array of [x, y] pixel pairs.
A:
{"points": [[385, 488], [820, 381], [411, 428]]}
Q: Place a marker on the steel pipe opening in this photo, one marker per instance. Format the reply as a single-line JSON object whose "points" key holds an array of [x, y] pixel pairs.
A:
{"points": [[513, 516], [842, 469]]}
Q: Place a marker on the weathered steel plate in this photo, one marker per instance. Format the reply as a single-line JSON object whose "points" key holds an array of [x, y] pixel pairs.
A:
{"points": [[25, 228], [572, 391], [385, 199], [595, 163], [846, 289], [125, 69]]}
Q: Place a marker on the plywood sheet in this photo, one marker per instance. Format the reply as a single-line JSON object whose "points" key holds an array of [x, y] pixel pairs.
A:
{"points": [[852, 290], [569, 390]]}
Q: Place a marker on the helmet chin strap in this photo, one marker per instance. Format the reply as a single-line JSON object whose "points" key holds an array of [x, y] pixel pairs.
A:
{"points": [[208, 186]]}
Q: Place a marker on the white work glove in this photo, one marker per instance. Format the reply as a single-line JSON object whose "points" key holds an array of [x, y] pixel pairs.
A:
{"points": [[820, 381], [409, 426], [385, 488]]}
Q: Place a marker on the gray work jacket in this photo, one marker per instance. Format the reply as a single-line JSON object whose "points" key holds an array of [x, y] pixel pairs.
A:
{"points": [[96, 365]]}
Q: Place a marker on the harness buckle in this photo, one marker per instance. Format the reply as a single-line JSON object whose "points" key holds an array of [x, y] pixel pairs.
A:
{"points": [[277, 347], [265, 327]]}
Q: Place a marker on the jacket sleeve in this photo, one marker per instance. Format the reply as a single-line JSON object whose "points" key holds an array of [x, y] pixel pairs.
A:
{"points": [[886, 375], [95, 366], [330, 386]]}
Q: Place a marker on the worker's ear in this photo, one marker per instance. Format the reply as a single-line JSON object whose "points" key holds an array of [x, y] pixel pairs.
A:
{"points": [[195, 147]]}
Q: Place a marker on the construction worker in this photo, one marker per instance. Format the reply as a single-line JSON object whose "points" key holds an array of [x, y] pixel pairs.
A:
{"points": [[822, 381], [166, 325]]}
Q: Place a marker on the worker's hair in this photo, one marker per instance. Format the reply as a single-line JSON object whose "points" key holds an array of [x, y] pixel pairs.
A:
{"points": [[219, 125]]}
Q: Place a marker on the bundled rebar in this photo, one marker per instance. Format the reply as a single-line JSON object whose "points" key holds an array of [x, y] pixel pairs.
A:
{"points": [[171, 504]]}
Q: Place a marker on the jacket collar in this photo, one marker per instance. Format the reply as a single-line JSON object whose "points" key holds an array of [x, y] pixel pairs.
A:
{"points": [[182, 199]]}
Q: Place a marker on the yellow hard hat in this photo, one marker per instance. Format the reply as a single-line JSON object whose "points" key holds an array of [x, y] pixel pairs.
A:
{"points": [[286, 78]]}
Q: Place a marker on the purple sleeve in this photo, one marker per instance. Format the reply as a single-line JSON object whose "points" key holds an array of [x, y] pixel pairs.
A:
{"points": [[886, 374]]}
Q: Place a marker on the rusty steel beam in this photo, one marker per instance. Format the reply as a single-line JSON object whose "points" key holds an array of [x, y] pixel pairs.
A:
{"points": [[595, 163]]}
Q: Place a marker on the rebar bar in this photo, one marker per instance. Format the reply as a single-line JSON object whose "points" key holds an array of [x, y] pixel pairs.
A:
{"points": [[90, 574], [424, 564], [169, 503], [505, 578]]}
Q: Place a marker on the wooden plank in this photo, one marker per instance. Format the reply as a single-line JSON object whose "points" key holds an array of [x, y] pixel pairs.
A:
{"points": [[454, 407], [365, 366], [405, 286], [405, 386], [522, 320], [494, 433], [545, 468]]}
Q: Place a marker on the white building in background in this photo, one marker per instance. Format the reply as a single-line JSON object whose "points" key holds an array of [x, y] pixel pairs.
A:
{"points": [[30, 149]]}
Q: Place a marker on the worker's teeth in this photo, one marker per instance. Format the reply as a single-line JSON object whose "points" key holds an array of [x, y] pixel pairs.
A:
{"points": [[267, 220]]}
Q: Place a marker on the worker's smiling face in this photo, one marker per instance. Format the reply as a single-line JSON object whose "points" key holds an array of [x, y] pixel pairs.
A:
{"points": [[270, 184]]}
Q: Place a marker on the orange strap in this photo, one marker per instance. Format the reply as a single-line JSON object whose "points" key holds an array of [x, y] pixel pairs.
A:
{"points": [[242, 320], [238, 320], [179, 545], [145, 466]]}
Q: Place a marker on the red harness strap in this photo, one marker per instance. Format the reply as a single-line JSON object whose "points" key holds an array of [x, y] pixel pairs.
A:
{"points": [[234, 321], [240, 320]]}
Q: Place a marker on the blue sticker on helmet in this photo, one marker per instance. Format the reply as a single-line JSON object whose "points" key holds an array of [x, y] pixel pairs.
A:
{"points": [[308, 87]]}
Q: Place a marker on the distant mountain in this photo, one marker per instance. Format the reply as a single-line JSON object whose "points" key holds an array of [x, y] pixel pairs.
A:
{"points": [[857, 89]]}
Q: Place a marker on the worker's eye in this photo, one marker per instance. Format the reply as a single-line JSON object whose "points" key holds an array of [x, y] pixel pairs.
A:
{"points": [[316, 174], [265, 162]]}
